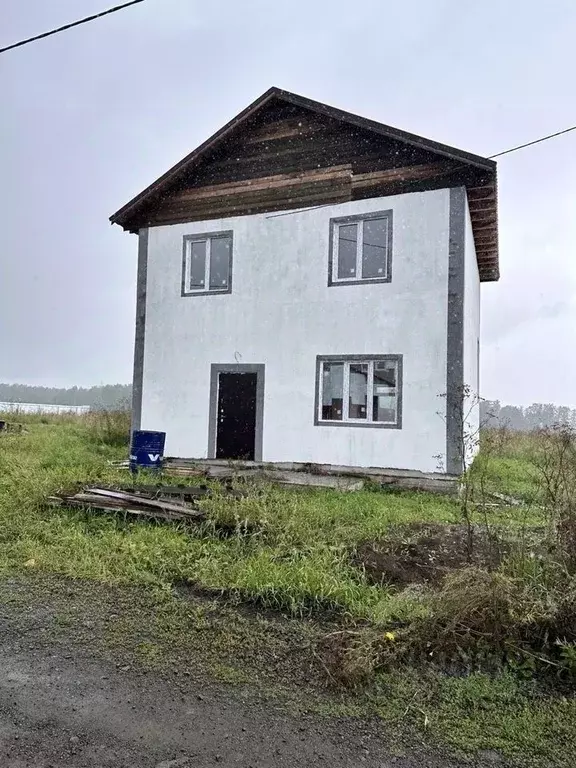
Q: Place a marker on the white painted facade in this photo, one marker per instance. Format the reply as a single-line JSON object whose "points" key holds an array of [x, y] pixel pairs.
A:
{"points": [[282, 313]]}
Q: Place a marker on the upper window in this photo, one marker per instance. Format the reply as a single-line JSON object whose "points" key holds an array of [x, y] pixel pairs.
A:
{"points": [[207, 264], [359, 391], [361, 249]]}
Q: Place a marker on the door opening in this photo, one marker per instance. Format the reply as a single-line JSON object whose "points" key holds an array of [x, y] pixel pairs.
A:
{"points": [[236, 416], [236, 419]]}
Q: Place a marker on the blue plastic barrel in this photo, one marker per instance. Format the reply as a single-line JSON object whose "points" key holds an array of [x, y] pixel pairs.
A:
{"points": [[147, 449]]}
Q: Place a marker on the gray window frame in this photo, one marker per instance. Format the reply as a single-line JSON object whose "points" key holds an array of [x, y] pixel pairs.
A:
{"points": [[320, 359], [333, 279], [186, 249]]}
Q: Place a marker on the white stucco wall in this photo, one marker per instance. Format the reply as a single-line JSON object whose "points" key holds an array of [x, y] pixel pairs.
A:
{"points": [[471, 341], [282, 313]]}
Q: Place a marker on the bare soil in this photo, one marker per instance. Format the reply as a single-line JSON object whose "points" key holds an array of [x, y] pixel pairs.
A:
{"points": [[425, 552]]}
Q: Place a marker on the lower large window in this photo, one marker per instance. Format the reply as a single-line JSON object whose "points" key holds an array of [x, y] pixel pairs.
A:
{"points": [[364, 390]]}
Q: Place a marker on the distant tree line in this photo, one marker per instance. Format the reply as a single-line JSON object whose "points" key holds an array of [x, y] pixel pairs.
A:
{"points": [[520, 419], [535, 416], [109, 396]]}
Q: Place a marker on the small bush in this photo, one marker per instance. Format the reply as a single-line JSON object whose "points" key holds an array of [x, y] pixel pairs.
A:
{"points": [[351, 657], [495, 618], [473, 608], [555, 460]]}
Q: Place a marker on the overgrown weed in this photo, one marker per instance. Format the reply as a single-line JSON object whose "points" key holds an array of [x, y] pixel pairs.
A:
{"points": [[109, 427]]}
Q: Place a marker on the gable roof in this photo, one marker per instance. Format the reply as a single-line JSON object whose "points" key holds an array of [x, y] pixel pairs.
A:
{"points": [[483, 197]]}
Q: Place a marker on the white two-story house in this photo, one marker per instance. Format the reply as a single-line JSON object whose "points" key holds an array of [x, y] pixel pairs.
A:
{"points": [[309, 292]]}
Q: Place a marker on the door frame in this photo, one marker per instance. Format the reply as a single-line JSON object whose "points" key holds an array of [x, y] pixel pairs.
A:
{"points": [[215, 370]]}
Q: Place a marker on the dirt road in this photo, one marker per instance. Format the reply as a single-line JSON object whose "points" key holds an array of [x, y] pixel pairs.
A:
{"points": [[67, 699], [58, 710]]}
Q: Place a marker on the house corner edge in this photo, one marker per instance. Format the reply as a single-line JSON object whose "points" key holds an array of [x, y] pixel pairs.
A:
{"points": [[455, 332], [140, 330]]}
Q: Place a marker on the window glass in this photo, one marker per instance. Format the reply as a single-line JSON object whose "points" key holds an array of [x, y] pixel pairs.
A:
{"points": [[347, 240], [385, 408], [220, 250], [384, 374], [197, 264], [371, 388], [374, 248], [385, 395], [332, 391], [358, 397]]}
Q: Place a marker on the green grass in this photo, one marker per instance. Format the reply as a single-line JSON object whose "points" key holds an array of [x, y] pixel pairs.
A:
{"points": [[506, 460], [477, 713], [292, 558], [297, 560]]}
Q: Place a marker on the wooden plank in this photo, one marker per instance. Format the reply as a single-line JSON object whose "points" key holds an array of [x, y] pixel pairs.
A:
{"points": [[485, 229], [96, 500], [135, 499], [486, 224], [486, 240], [280, 129], [279, 154], [292, 190], [275, 207], [101, 506], [267, 166], [487, 213], [485, 205], [263, 205], [295, 153], [277, 181], [334, 195], [482, 193], [179, 491], [398, 174]]}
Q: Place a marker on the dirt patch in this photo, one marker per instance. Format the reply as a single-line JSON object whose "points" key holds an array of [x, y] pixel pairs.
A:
{"points": [[424, 553]]}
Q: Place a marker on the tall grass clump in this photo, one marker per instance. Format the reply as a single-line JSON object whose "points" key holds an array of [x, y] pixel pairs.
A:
{"points": [[109, 427]]}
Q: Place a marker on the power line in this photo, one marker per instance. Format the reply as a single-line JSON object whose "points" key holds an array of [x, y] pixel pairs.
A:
{"points": [[135, 2], [69, 26], [446, 172], [530, 143]]}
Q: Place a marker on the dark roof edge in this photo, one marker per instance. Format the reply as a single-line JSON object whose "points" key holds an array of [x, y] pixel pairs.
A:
{"points": [[315, 106]]}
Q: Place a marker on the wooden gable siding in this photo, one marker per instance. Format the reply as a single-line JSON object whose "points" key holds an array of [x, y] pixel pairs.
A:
{"points": [[288, 157]]}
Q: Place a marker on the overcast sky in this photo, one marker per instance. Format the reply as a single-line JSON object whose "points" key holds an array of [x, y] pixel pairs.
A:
{"points": [[91, 116]]}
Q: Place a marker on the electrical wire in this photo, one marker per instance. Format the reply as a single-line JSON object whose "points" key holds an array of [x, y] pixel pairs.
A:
{"points": [[68, 26], [531, 143]]}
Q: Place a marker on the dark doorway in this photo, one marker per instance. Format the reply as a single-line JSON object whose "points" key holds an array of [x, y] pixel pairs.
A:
{"points": [[236, 416]]}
